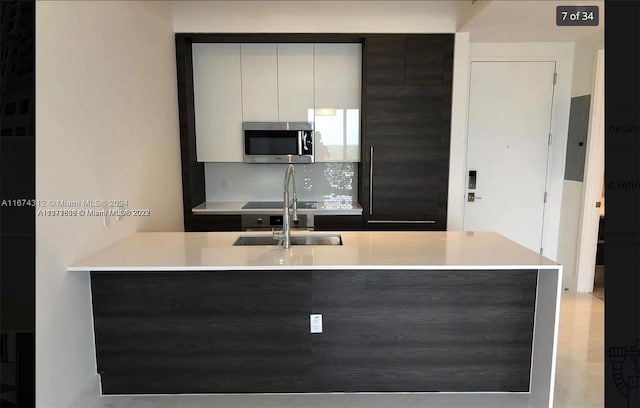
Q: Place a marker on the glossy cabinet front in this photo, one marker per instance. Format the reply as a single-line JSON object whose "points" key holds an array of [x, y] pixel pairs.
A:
{"points": [[259, 74], [217, 102], [283, 82], [338, 80], [295, 82]]}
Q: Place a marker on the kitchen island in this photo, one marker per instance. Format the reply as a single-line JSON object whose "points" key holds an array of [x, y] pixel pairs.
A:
{"points": [[410, 312]]}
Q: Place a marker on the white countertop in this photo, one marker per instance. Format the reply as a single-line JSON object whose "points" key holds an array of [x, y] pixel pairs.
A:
{"points": [[210, 251], [235, 207]]}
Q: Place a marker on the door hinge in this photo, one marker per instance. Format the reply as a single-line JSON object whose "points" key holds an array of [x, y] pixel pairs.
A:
{"points": [[545, 196], [555, 78], [550, 137]]}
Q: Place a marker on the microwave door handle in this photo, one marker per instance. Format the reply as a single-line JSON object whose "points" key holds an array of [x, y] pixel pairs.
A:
{"points": [[300, 141]]}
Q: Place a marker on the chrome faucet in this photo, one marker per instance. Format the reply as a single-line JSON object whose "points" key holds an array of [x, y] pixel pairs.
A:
{"points": [[285, 234]]}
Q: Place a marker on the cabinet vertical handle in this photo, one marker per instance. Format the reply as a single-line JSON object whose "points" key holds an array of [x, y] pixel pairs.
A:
{"points": [[371, 181]]}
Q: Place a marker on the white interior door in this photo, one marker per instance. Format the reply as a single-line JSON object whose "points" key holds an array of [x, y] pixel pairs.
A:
{"points": [[508, 146]]}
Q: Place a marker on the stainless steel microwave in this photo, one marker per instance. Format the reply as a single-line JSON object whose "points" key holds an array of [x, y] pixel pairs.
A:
{"points": [[278, 142]]}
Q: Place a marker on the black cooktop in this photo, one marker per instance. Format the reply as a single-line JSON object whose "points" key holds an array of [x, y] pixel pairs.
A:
{"points": [[277, 204]]}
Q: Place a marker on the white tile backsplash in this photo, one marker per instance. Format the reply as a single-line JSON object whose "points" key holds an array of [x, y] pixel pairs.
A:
{"points": [[328, 182]]}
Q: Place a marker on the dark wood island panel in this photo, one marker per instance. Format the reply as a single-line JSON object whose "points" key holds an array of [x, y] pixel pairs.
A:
{"points": [[248, 331], [414, 331], [197, 332]]}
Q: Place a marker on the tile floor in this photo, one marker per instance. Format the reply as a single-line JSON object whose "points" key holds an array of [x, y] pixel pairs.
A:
{"points": [[580, 363], [579, 377]]}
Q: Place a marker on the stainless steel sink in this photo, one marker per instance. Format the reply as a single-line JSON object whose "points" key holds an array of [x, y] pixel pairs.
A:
{"points": [[316, 240], [295, 240]]}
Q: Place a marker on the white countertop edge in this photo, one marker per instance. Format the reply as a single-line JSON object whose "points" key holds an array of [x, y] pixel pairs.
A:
{"points": [[306, 268]]}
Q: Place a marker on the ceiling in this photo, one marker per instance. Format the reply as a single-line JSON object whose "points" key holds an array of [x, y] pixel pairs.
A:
{"points": [[524, 21], [485, 20]]}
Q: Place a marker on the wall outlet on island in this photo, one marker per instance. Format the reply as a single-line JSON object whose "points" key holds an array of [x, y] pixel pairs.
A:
{"points": [[315, 321], [224, 183]]}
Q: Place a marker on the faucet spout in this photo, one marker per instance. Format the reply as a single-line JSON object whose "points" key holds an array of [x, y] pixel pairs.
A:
{"points": [[289, 204]]}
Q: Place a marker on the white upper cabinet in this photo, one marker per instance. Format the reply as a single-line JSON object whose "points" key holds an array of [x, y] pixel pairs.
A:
{"points": [[338, 78], [235, 83], [295, 82], [259, 82], [218, 103]]}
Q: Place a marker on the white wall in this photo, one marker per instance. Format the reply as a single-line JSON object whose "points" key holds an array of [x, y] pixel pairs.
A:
{"points": [[582, 84], [107, 129], [562, 53], [314, 16], [584, 61], [458, 147], [569, 229]]}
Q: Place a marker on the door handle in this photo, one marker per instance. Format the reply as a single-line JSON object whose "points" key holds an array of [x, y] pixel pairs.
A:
{"points": [[401, 221], [371, 181], [471, 197], [300, 142]]}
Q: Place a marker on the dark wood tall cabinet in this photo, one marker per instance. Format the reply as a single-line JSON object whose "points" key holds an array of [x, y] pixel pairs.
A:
{"points": [[407, 84]]}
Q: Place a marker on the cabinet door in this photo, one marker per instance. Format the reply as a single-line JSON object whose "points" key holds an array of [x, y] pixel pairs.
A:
{"points": [[295, 82], [194, 332], [210, 222], [385, 60], [408, 157], [338, 78], [259, 82], [429, 59], [337, 222], [217, 102], [409, 331], [404, 182]]}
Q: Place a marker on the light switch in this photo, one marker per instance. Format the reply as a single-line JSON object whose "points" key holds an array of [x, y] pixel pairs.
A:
{"points": [[315, 322]]}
